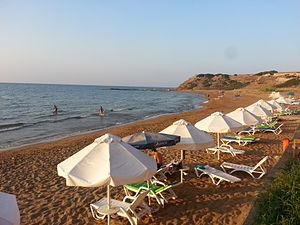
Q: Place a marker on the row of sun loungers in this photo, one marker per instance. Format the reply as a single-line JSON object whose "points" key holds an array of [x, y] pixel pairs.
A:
{"points": [[263, 128], [136, 207], [244, 140], [133, 206]]}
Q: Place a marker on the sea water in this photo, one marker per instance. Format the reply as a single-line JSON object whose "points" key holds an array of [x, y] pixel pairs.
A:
{"points": [[26, 116]]}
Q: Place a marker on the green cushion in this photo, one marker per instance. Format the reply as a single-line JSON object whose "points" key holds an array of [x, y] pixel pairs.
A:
{"points": [[244, 137], [153, 187], [261, 126], [267, 126]]}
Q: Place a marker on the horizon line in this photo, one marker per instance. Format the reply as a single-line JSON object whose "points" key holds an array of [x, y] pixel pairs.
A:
{"points": [[95, 85]]}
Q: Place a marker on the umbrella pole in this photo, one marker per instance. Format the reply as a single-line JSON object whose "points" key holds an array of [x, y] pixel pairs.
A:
{"points": [[182, 154], [148, 185], [182, 158], [108, 204], [218, 153]]}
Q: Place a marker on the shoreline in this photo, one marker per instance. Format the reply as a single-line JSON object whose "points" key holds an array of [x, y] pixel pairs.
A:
{"points": [[43, 198], [83, 133]]}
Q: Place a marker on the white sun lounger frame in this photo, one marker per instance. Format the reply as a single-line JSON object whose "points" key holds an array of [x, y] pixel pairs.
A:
{"points": [[217, 176], [257, 169]]}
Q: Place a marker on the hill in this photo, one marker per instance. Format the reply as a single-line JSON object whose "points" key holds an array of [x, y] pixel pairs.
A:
{"points": [[267, 80]]}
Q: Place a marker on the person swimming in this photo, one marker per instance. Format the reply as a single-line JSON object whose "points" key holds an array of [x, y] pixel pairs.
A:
{"points": [[54, 109], [101, 111]]}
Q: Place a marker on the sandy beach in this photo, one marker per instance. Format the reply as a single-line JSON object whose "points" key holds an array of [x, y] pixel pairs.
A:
{"points": [[43, 198]]}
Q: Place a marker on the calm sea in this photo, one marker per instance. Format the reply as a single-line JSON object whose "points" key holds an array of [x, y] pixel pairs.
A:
{"points": [[26, 116]]}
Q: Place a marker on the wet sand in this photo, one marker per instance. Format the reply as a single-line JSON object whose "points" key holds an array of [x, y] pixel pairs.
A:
{"points": [[43, 198]]}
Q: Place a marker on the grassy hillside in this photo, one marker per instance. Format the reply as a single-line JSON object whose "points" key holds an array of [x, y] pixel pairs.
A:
{"points": [[266, 80]]}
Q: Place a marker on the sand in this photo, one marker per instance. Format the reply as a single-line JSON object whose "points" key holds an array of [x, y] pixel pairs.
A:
{"points": [[43, 198]]}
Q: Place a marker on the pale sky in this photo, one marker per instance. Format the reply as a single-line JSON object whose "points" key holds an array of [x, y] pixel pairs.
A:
{"points": [[145, 43]]}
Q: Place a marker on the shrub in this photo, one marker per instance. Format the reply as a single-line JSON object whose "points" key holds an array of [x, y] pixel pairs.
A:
{"points": [[288, 83], [206, 75], [271, 72], [206, 83], [210, 75], [281, 203], [290, 76], [269, 89], [191, 86], [233, 84]]}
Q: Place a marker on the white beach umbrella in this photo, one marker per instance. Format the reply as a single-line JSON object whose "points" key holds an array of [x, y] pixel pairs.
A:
{"points": [[259, 110], [191, 138], [283, 100], [9, 210], [244, 117], [107, 161], [266, 105], [278, 106], [219, 123]]}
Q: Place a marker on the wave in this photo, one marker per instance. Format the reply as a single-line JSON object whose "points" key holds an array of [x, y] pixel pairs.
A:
{"points": [[15, 126], [6, 97], [93, 114], [59, 120], [121, 109], [117, 109], [51, 115], [12, 126]]}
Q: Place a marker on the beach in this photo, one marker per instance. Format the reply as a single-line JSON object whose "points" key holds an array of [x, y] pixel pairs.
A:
{"points": [[43, 198]]}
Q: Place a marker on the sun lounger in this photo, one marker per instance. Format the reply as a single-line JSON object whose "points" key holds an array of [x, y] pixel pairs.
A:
{"points": [[276, 130], [241, 140], [259, 168], [295, 103], [161, 173], [167, 169], [158, 190], [249, 130], [224, 148], [217, 176], [133, 211], [263, 128], [292, 112], [268, 124]]}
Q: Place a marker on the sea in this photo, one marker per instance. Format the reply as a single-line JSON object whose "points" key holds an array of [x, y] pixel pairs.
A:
{"points": [[26, 115]]}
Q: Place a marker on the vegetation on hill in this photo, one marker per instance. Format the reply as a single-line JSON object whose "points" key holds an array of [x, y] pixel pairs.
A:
{"points": [[288, 83], [267, 81], [212, 81], [280, 204], [210, 75], [271, 72]]}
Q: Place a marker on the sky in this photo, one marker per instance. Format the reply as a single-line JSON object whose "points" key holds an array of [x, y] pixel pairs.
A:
{"points": [[158, 43]]}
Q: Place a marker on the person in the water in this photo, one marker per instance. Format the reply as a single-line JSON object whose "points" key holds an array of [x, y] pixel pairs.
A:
{"points": [[54, 109], [101, 111]]}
